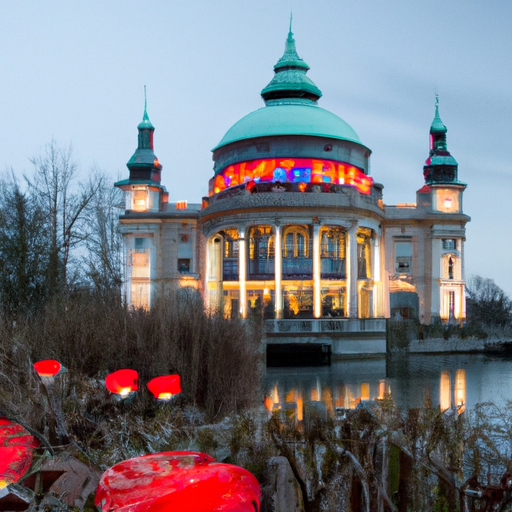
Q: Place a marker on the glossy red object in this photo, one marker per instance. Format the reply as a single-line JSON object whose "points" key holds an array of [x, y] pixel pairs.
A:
{"points": [[165, 387], [181, 481], [16, 446], [122, 382], [48, 368]]}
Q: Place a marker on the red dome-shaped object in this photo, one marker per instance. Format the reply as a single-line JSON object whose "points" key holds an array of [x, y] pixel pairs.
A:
{"points": [[122, 382], [165, 387], [16, 446], [184, 481], [48, 368]]}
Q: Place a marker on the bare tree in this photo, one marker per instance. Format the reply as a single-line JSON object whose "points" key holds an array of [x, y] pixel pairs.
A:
{"points": [[103, 241], [487, 303], [64, 202]]}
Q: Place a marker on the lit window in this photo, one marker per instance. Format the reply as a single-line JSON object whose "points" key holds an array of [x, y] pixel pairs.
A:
{"points": [[364, 243], [140, 274], [140, 199]]}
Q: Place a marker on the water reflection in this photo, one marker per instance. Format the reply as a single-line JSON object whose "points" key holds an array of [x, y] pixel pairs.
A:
{"points": [[450, 382]]}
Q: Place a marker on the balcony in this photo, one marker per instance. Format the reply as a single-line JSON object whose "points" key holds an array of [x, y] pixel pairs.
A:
{"points": [[325, 325]]}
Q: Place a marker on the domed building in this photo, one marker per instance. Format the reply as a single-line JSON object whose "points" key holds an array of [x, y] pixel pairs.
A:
{"points": [[294, 229]]}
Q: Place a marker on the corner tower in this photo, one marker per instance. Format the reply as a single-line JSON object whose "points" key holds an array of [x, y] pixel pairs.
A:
{"points": [[143, 192], [425, 241]]}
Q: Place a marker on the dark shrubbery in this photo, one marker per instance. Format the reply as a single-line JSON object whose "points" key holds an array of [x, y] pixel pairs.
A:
{"points": [[217, 359]]}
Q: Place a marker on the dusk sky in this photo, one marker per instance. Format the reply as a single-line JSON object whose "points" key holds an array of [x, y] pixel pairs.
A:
{"points": [[76, 70]]}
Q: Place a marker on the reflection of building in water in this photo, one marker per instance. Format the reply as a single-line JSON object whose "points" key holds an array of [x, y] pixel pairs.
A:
{"points": [[322, 398], [348, 384], [459, 391]]}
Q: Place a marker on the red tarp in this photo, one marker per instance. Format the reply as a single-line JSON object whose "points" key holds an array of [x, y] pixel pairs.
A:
{"points": [[122, 382], [48, 368], [181, 481], [16, 446], [165, 387]]}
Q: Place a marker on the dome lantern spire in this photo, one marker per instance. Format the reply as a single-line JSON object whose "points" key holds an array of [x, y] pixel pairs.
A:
{"points": [[290, 80], [440, 166], [144, 164]]}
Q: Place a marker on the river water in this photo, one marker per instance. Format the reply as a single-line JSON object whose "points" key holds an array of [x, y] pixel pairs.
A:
{"points": [[447, 381]]}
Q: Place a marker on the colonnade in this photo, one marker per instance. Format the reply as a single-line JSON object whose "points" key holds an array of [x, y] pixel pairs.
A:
{"points": [[361, 295]]}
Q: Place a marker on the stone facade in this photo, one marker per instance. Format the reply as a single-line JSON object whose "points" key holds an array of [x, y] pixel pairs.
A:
{"points": [[294, 228]]}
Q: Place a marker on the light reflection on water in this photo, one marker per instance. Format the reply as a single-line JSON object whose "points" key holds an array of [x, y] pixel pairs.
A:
{"points": [[455, 382]]}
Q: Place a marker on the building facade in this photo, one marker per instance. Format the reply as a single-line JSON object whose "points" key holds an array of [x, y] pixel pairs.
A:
{"points": [[293, 226]]}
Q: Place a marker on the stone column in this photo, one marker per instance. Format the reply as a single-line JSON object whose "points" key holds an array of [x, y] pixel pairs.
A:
{"points": [[376, 308], [317, 291], [242, 270], [278, 303], [352, 273]]}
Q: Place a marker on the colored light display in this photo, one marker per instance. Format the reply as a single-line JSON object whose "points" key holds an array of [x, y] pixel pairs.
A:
{"points": [[190, 481], [48, 368], [165, 387], [122, 382], [16, 446], [291, 170]]}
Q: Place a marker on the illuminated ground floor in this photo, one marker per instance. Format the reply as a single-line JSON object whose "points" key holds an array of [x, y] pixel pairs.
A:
{"points": [[291, 270]]}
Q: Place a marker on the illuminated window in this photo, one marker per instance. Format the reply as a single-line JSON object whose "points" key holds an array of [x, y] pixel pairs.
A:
{"points": [[261, 252], [297, 261], [403, 257], [450, 266], [296, 242], [140, 199], [364, 245], [288, 170], [230, 262], [140, 274], [332, 252]]}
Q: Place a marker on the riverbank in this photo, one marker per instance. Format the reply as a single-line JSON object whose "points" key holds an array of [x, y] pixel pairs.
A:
{"points": [[492, 344]]}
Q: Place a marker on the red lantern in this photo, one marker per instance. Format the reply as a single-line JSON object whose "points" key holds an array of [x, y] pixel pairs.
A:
{"points": [[16, 446], [48, 368], [187, 481], [122, 382], [165, 387]]}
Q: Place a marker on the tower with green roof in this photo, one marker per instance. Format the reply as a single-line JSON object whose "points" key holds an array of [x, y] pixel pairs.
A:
{"points": [[143, 191]]}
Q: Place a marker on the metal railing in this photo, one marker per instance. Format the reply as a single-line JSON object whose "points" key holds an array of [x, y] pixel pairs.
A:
{"points": [[323, 325]]}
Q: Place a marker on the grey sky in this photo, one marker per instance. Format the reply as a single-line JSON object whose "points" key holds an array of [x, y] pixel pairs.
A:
{"points": [[75, 71]]}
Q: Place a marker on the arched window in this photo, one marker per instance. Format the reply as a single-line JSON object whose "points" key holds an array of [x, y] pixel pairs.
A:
{"points": [[297, 262], [230, 256], [450, 267], [296, 242], [364, 245], [261, 252], [332, 252]]}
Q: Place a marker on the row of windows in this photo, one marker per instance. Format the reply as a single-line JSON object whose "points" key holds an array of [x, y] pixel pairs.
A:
{"points": [[296, 242], [296, 252], [403, 258]]}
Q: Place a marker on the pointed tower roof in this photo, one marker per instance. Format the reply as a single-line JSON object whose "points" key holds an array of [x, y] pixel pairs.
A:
{"points": [[144, 165], [437, 125], [440, 166], [290, 80]]}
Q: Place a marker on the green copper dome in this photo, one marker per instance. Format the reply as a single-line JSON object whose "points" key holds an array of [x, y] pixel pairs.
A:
{"points": [[290, 119], [291, 106]]}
